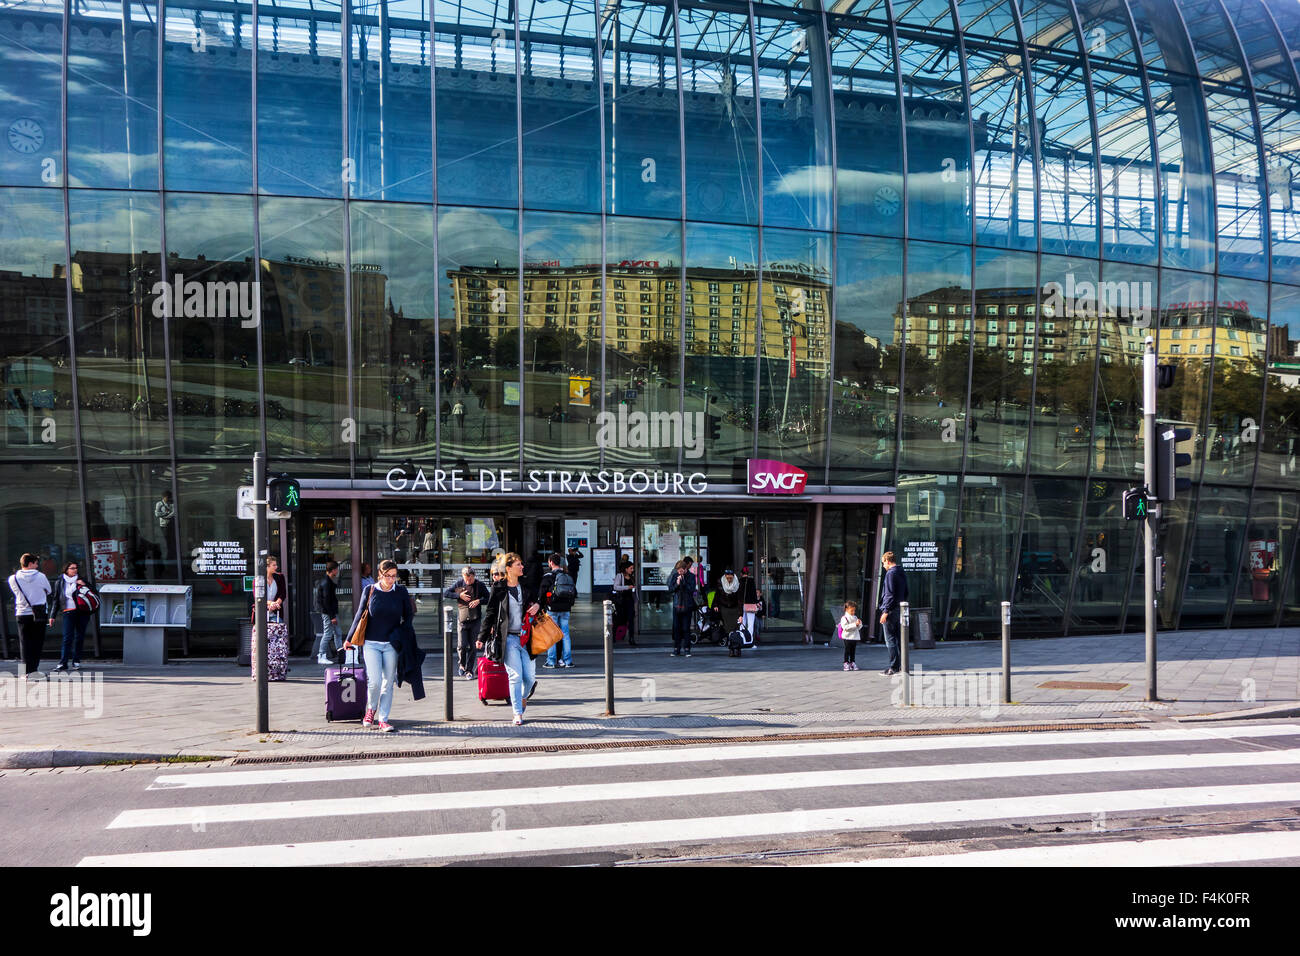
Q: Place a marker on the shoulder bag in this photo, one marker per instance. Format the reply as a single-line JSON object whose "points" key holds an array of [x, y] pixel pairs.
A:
{"points": [[544, 635], [358, 636]]}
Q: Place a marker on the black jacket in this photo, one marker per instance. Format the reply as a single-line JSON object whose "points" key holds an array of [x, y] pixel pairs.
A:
{"points": [[476, 591], [545, 593], [327, 599], [410, 659], [683, 591], [495, 626]]}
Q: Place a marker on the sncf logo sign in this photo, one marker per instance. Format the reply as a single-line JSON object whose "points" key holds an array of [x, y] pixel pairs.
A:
{"points": [[767, 477]]}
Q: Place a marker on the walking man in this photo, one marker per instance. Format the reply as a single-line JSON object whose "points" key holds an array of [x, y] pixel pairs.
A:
{"points": [[327, 606], [895, 592], [557, 596], [470, 595]]}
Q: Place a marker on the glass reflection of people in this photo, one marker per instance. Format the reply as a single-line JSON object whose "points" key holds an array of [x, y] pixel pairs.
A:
{"points": [[164, 511]]}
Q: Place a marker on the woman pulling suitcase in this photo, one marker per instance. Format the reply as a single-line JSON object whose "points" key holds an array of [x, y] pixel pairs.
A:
{"points": [[502, 630], [386, 608]]}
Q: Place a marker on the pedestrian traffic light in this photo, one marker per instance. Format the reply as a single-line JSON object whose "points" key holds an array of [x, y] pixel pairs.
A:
{"points": [[1165, 375], [1137, 506], [1166, 481], [715, 426], [283, 494]]}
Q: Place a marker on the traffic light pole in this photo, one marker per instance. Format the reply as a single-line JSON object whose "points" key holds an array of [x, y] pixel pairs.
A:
{"points": [[1148, 526], [260, 545]]}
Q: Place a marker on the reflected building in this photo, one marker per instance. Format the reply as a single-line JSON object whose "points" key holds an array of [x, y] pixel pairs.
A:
{"points": [[910, 251]]}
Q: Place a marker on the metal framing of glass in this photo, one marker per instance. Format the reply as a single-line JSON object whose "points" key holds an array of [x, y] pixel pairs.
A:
{"points": [[914, 242]]}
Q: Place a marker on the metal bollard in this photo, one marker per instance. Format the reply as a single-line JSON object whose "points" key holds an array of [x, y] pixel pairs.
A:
{"points": [[448, 651], [1006, 652], [904, 630], [609, 658]]}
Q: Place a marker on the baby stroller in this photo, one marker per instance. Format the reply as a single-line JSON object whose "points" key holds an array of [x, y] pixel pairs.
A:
{"points": [[707, 626]]}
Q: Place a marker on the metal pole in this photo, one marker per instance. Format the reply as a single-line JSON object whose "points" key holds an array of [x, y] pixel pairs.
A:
{"points": [[904, 635], [609, 658], [448, 639], [1148, 528], [259, 591], [1006, 652]]}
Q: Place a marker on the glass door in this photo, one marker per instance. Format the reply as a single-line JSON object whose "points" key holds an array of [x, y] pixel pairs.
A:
{"points": [[781, 571]]}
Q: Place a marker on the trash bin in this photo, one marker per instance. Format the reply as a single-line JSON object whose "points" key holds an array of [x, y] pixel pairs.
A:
{"points": [[244, 656], [922, 628]]}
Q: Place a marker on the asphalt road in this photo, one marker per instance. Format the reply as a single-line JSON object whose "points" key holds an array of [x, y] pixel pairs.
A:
{"points": [[1190, 794]]}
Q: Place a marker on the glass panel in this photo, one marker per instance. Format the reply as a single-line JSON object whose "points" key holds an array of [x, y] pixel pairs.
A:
{"points": [[1069, 180], [1216, 555], [1186, 340], [796, 121], [31, 86], [1127, 311], [721, 143], [778, 576], [43, 517], [562, 358], [660, 547], [37, 374], [393, 331], [642, 133], [643, 341], [983, 555], [207, 99], [477, 112], [1004, 152], [796, 349], [869, 175], [561, 106], [1270, 538], [303, 326], [864, 418], [112, 95], [1187, 196], [132, 518], [924, 518], [938, 130], [1065, 331], [937, 330], [1238, 180], [721, 263], [1001, 378], [331, 539], [1128, 180], [214, 351], [1106, 559], [478, 317], [207, 521], [118, 308], [390, 126], [300, 101], [1232, 433], [988, 18], [1280, 429]]}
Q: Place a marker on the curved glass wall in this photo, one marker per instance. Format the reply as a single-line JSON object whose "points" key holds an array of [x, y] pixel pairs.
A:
{"points": [[911, 243]]}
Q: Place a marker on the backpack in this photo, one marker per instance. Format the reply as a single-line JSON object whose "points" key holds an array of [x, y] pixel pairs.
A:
{"points": [[563, 592], [86, 599]]}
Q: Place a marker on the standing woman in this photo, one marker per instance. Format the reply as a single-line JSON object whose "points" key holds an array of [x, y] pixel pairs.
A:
{"points": [[388, 607], [750, 603], [31, 594], [75, 619], [277, 632], [503, 621], [681, 585], [625, 600]]}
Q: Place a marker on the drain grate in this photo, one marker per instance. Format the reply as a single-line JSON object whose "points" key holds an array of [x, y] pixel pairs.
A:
{"points": [[676, 742], [1080, 685]]}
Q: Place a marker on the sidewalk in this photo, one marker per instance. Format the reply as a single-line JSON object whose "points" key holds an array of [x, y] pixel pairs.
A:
{"points": [[206, 708]]}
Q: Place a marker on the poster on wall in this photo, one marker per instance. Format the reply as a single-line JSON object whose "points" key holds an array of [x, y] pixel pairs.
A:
{"points": [[580, 390], [602, 569], [670, 549], [109, 557], [579, 534], [510, 393]]}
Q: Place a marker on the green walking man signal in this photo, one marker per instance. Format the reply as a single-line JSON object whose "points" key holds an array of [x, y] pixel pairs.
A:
{"points": [[1137, 506], [284, 494]]}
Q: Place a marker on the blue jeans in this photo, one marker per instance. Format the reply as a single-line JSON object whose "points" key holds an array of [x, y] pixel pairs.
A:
{"points": [[331, 637], [381, 662], [522, 671], [561, 618], [892, 642], [74, 636]]}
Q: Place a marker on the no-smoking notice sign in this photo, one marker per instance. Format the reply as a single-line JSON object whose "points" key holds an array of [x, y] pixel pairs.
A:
{"points": [[920, 556]]}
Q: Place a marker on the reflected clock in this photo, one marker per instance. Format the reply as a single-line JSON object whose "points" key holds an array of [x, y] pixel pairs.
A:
{"points": [[25, 135], [887, 200]]}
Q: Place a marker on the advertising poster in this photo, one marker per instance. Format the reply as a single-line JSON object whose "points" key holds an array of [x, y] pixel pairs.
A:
{"points": [[580, 391], [510, 393]]}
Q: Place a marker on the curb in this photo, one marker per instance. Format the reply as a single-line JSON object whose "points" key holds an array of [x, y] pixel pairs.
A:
{"points": [[1273, 710], [43, 758]]}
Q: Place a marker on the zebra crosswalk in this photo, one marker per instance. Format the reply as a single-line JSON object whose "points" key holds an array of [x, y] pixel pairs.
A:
{"points": [[625, 803]]}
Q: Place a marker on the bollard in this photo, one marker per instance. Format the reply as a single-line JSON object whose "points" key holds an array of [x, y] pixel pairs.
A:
{"points": [[609, 658], [1006, 652], [448, 651], [905, 627]]}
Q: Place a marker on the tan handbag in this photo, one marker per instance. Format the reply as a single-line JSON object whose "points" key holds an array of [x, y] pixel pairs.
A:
{"points": [[544, 635], [358, 636]]}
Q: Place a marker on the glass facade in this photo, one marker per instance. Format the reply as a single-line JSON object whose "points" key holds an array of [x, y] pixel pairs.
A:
{"points": [[916, 244]]}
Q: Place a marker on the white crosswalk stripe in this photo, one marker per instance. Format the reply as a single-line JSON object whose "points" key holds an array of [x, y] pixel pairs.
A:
{"points": [[674, 796]]}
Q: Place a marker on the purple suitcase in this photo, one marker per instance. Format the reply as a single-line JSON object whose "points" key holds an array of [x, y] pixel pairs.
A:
{"points": [[345, 692]]}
